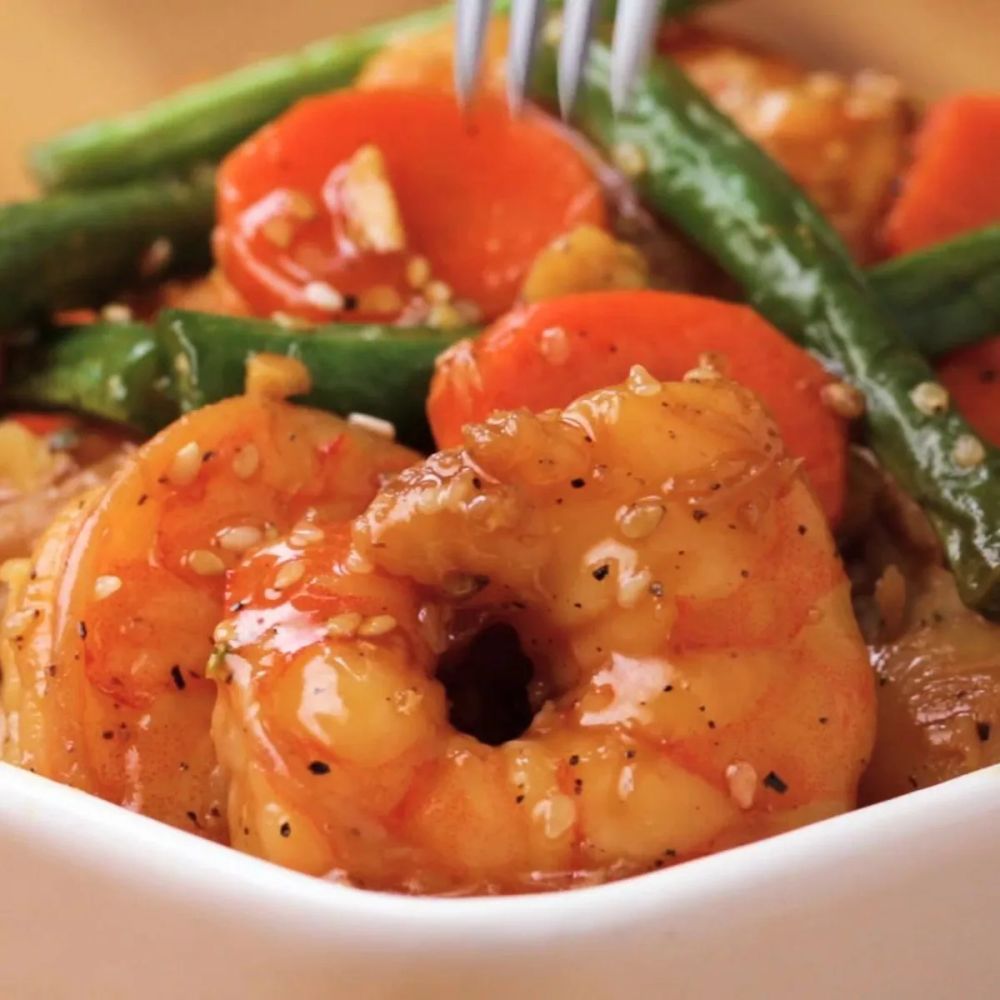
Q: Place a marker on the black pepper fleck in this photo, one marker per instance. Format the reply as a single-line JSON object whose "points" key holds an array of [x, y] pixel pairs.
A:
{"points": [[285, 829], [574, 759], [698, 514], [319, 767], [774, 781], [601, 572], [81, 628], [177, 677], [802, 529], [983, 731], [578, 483], [630, 754]]}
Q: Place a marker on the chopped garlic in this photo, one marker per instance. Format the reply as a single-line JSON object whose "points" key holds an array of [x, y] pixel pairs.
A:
{"points": [[374, 221]]}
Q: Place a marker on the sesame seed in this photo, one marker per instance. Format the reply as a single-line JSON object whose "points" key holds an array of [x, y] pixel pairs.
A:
{"points": [[556, 815], [629, 159], [418, 271], [640, 519], [239, 538], [205, 563], [343, 626], [438, 291], [357, 563], [968, 452], [105, 586], [374, 425], [554, 345], [742, 780], [306, 533], [322, 295], [185, 465], [641, 383], [844, 399], [287, 321], [632, 588], [377, 625], [445, 316], [246, 461], [156, 257], [626, 782], [289, 573], [930, 398], [713, 361], [116, 312]]}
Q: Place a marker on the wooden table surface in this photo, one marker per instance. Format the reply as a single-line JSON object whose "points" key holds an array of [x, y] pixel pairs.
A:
{"points": [[65, 61]]}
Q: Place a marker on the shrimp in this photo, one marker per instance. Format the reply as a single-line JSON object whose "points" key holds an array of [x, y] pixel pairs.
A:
{"points": [[938, 694], [843, 140], [587, 644], [111, 622]]}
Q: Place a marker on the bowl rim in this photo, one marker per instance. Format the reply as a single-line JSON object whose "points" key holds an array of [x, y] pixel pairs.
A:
{"points": [[47, 817]]}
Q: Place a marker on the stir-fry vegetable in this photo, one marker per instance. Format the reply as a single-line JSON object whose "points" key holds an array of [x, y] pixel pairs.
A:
{"points": [[114, 371], [203, 122], [336, 209], [946, 296], [380, 371], [953, 184], [691, 163], [972, 376], [77, 249]]}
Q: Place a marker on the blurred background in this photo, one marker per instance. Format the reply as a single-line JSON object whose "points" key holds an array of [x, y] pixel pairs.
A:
{"points": [[65, 61]]}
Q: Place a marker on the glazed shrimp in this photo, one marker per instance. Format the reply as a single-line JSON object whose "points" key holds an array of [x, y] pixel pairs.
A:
{"points": [[640, 590], [111, 623]]}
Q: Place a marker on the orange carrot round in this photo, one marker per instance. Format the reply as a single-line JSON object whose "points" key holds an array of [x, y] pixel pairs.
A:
{"points": [[953, 184], [323, 213], [546, 355], [972, 376]]}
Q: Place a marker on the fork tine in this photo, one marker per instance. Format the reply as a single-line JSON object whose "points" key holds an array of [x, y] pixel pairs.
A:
{"points": [[577, 28], [471, 20], [635, 27], [525, 21]]}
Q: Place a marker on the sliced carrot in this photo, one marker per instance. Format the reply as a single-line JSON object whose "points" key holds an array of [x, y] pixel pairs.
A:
{"points": [[972, 376], [44, 424], [953, 184], [478, 194], [548, 354]]}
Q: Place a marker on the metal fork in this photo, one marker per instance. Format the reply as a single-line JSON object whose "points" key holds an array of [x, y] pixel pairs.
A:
{"points": [[635, 22]]}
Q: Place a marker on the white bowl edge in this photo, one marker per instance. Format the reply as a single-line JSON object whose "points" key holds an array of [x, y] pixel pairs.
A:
{"points": [[898, 899]]}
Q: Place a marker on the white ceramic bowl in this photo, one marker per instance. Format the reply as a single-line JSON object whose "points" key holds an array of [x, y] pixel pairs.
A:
{"points": [[897, 900]]}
